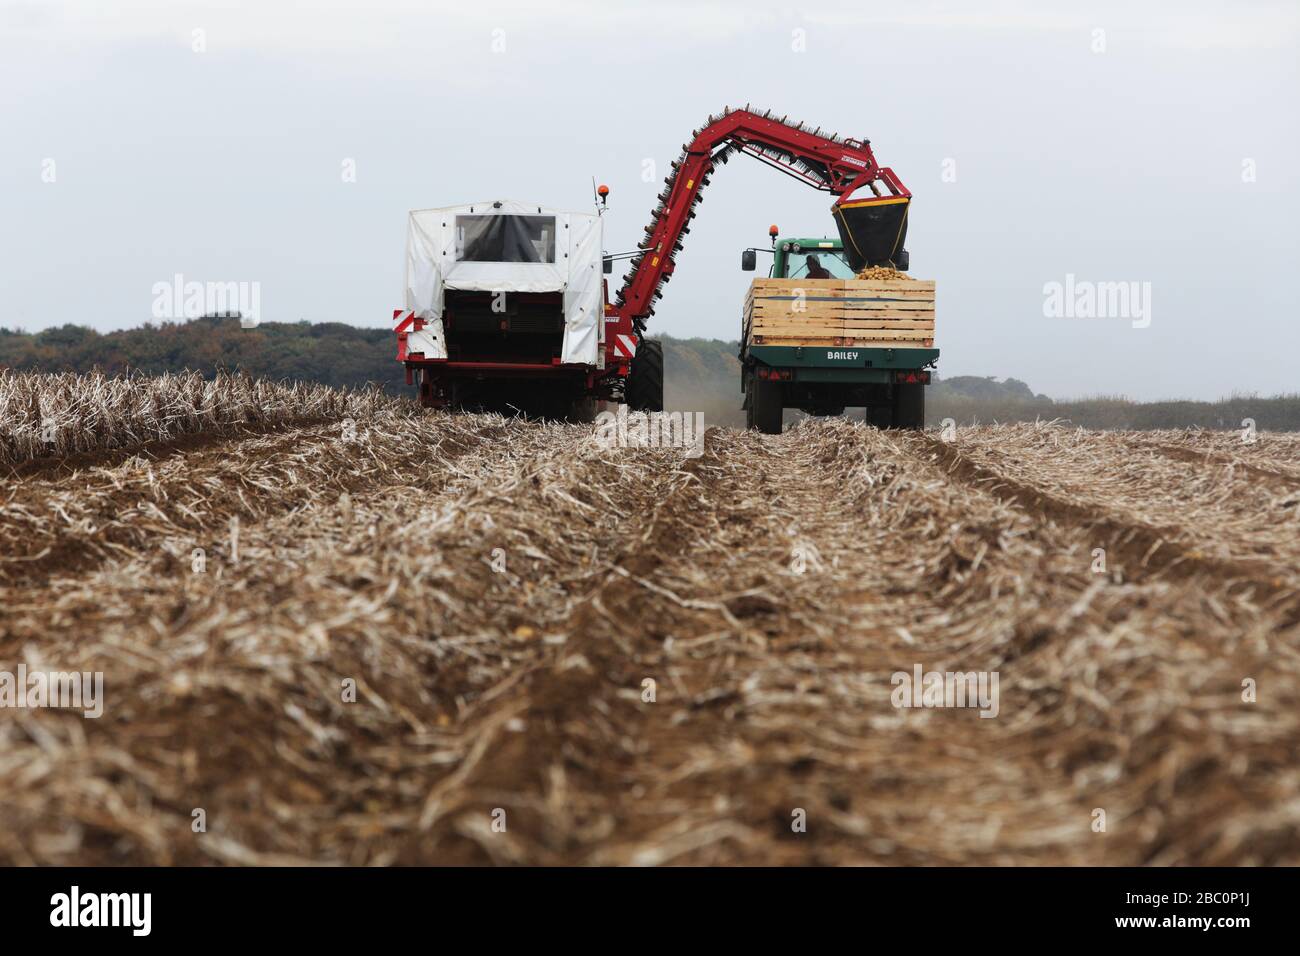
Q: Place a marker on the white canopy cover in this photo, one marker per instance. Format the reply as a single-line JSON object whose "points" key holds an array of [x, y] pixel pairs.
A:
{"points": [[506, 246]]}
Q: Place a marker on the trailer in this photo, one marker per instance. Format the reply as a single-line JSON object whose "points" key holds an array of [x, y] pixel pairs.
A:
{"points": [[825, 344]]}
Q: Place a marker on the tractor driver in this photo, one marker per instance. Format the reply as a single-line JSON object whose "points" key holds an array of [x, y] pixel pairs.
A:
{"points": [[815, 270]]}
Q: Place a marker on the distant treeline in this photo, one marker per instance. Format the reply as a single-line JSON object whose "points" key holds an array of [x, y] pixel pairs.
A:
{"points": [[1277, 413], [331, 352], [702, 374]]}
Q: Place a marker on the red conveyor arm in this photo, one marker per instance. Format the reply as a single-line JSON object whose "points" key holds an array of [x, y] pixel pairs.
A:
{"points": [[822, 160]]}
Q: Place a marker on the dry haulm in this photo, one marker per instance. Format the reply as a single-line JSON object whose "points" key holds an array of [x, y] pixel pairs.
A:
{"points": [[44, 415], [430, 641]]}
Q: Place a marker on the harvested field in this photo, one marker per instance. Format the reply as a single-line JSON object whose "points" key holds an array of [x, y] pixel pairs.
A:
{"points": [[61, 415], [499, 592]]}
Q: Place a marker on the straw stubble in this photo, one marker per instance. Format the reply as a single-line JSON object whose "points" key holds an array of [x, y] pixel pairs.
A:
{"points": [[497, 593]]}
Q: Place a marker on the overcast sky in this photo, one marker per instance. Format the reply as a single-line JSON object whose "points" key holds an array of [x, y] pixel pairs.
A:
{"points": [[1125, 141]]}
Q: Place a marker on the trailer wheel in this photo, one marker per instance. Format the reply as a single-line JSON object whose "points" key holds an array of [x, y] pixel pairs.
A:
{"points": [[880, 416], [909, 407], [644, 391], [763, 409]]}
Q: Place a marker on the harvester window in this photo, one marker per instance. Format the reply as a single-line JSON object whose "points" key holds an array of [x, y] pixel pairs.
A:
{"points": [[505, 238]]}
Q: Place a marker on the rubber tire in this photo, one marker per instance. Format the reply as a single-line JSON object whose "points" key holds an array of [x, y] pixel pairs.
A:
{"points": [[582, 411], [880, 416], [644, 391], [909, 407], [765, 412], [426, 390]]}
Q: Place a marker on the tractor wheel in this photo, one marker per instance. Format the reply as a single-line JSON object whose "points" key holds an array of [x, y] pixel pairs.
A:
{"points": [[644, 391], [763, 409], [909, 407]]}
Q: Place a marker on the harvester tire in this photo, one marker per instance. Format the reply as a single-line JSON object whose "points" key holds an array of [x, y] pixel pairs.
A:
{"points": [[644, 391], [426, 390], [583, 411]]}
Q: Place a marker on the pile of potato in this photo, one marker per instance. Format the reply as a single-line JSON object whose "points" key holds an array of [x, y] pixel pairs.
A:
{"points": [[882, 272]]}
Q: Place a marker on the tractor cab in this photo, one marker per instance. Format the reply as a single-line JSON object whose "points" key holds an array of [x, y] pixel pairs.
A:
{"points": [[790, 258]]}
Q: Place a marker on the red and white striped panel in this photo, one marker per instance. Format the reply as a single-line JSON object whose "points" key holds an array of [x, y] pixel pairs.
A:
{"points": [[625, 346]]}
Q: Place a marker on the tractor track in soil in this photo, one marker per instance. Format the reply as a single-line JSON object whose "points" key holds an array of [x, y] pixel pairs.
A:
{"points": [[52, 468], [1208, 458], [204, 482], [1141, 547]]}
